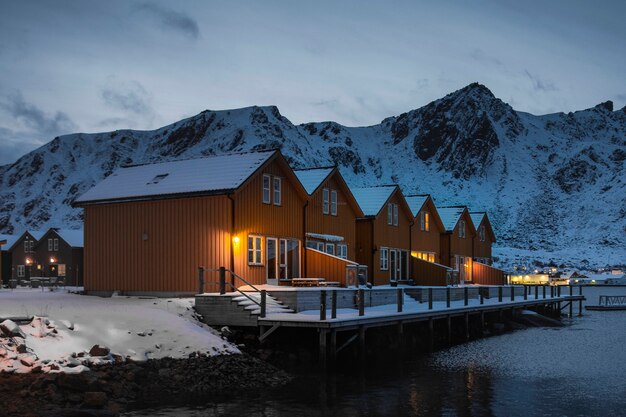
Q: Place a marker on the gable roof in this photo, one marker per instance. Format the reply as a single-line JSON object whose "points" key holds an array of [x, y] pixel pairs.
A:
{"points": [[372, 199], [12, 240], [450, 216], [312, 178], [9, 240], [73, 237], [480, 216], [220, 174], [418, 201]]}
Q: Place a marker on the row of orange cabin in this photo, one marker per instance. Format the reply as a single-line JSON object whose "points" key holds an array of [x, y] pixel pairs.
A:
{"points": [[149, 227]]}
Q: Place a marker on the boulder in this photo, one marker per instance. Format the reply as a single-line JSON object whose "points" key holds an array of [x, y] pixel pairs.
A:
{"points": [[98, 350], [9, 328]]}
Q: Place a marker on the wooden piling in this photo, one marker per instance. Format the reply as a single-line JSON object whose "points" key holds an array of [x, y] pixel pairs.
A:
{"points": [[333, 305], [465, 295], [361, 294], [263, 312], [448, 297], [499, 294], [512, 293], [431, 335], [466, 317], [333, 346], [536, 292], [399, 299], [449, 325], [323, 348], [430, 298], [525, 292], [222, 280], [323, 305]]}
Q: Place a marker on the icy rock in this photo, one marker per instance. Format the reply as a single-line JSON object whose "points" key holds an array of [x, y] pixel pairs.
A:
{"points": [[9, 328], [28, 360], [98, 350]]}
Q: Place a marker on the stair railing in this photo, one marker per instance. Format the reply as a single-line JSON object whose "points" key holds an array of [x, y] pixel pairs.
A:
{"points": [[222, 285]]}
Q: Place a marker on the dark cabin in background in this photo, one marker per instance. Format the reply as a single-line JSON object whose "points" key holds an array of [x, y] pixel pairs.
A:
{"points": [[59, 254]]}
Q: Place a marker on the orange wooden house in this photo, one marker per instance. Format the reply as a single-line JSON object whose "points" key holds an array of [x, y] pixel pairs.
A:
{"points": [[457, 240], [331, 215], [426, 229], [384, 233], [148, 227], [484, 239]]}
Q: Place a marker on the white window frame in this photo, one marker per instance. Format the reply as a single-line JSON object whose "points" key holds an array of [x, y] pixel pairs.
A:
{"points": [[462, 229], [325, 201], [395, 214], [384, 259], [267, 189], [21, 271], [56, 244], [330, 248], [50, 242], [333, 202], [390, 214], [278, 191], [320, 246], [425, 221], [481, 233], [255, 247], [342, 250]]}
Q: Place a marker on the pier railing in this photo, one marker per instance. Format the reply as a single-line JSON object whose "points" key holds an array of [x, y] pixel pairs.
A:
{"points": [[612, 300], [222, 283]]}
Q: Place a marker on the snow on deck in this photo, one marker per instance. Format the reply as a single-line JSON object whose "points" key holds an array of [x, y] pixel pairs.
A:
{"points": [[132, 327], [214, 173], [312, 178]]}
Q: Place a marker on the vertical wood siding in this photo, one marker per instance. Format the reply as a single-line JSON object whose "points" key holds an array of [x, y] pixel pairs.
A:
{"points": [[252, 216], [428, 273], [331, 268], [364, 244], [182, 234], [482, 249], [422, 241], [487, 275]]}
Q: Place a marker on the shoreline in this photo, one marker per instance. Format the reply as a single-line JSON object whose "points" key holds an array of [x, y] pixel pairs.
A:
{"points": [[112, 389]]}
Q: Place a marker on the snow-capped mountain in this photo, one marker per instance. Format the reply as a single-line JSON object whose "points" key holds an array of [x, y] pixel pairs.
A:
{"points": [[554, 185]]}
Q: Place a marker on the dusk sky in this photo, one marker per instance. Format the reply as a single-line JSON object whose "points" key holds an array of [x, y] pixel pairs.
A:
{"points": [[91, 66]]}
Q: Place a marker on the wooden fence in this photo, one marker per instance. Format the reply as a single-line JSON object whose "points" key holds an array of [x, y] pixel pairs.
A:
{"points": [[429, 273], [329, 267], [483, 274]]}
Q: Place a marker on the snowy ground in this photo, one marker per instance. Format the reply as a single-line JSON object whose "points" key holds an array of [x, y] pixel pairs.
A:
{"points": [[66, 326]]}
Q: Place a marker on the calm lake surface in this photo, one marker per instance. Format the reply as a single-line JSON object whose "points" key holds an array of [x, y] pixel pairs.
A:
{"points": [[578, 370]]}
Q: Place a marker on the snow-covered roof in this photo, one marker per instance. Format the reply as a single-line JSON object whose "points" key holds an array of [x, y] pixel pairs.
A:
{"points": [[416, 202], [74, 238], [219, 173], [312, 178], [10, 240], [477, 218], [372, 199], [450, 216], [328, 238]]}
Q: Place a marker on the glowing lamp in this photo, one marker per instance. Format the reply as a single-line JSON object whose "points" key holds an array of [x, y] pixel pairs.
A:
{"points": [[28, 261], [236, 240], [52, 260]]}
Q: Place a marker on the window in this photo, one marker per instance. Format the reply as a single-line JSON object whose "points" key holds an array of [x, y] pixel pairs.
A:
{"points": [[384, 259], [26, 246], [389, 213], [266, 189], [481, 233], [462, 228], [425, 221], [311, 244], [333, 202], [342, 251], [325, 201], [61, 271], [395, 214], [21, 271], [50, 245], [56, 245], [426, 256], [255, 250], [330, 248], [157, 179], [320, 246], [277, 191]]}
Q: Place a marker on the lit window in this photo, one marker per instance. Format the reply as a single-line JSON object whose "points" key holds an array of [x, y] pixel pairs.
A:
{"points": [[266, 189], [342, 251], [325, 201], [255, 250], [425, 221], [61, 271], [56, 245], [333, 202], [384, 259], [395, 214], [277, 191], [389, 213], [330, 248]]}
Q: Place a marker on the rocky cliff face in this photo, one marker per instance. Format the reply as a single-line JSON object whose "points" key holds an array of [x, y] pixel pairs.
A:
{"points": [[553, 183]]}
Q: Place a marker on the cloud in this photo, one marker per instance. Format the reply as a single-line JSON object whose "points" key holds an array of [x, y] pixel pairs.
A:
{"points": [[480, 56], [15, 144], [118, 123], [127, 96], [171, 20], [32, 117], [539, 84]]}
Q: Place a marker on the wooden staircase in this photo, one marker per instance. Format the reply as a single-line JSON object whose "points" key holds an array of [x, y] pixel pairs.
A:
{"points": [[235, 309]]}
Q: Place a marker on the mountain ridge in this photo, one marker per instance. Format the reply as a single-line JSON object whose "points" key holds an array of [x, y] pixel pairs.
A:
{"points": [[533, 174]]}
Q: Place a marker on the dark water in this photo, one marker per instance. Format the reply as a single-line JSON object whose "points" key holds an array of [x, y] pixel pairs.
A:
{"points": [[578, 370]]}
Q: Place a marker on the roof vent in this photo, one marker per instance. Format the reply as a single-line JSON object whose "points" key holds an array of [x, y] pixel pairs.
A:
{"points": [[157, 179]]}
